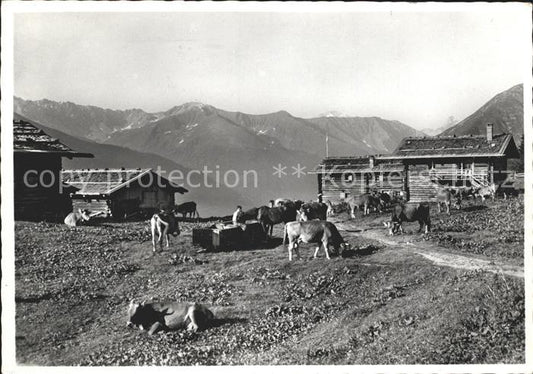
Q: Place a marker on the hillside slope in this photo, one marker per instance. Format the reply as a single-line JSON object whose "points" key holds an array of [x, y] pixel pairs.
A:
{"points": [[375, 134], [505, 111]]}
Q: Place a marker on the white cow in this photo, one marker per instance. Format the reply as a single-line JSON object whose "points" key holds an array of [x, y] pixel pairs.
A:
{"points": [[323, 233], [164, 223], [75, 218]]}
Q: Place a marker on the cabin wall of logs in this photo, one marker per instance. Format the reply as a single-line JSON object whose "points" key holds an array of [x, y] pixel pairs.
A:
{"points": [[417, 180], [37, 188]]}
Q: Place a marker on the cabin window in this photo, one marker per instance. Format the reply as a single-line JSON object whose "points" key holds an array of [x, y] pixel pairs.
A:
{"points": [[348, 177], [343, 195]]}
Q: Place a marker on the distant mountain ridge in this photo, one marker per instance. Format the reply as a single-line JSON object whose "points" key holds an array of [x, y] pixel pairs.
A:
{"points": [[100, 125], [199, 136], [505, 111], [220, 201]]}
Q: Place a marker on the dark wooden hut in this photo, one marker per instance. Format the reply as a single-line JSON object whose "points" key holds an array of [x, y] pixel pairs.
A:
{"points": [[38, 191], [121, 193]]}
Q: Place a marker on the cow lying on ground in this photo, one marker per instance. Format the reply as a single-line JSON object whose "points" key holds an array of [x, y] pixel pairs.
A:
{"points": [[314, 210], [323, 233], [164, 223], [409, 213], [188, 208], [75, 218], [156, 317], [445, 197], [366, 201]]}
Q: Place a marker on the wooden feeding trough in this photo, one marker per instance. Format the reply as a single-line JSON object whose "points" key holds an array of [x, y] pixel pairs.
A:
{"points": [[227, 237]]}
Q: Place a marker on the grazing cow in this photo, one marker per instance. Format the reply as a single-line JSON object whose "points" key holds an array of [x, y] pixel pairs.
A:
{"points": [[323, 233], [188, 208], [445, 196], [331, 210], [314, 210], [409, 213], [75, 218], [366, 201], [156, 317], [485, 192], [164, 223]]}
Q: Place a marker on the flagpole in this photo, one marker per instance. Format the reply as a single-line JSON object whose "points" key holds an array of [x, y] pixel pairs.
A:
{"points": [[327, 140]]}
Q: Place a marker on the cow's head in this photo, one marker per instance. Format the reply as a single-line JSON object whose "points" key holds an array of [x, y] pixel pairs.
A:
{"points": [[457, 202], [137, 314], [393, 226], [345, 247], [301, 215]]}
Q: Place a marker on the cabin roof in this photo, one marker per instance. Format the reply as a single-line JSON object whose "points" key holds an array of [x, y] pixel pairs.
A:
{"points": [[453, 146], [28, 138], [104, 182], [356, 164]]}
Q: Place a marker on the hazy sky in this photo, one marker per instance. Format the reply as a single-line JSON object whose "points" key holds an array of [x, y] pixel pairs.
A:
{"points": [[418, 68]]}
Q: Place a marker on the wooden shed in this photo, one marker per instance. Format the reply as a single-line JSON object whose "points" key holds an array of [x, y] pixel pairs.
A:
{"points": [[430, 162], [121, 193], [39, 193]]}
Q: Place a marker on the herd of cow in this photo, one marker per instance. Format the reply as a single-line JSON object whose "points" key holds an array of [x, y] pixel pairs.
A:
{"points": [[304, 222]]}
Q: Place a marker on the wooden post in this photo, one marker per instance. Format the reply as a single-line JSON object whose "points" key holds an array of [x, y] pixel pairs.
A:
{"points": [[406, 181], [491, 171], [319, 193]]}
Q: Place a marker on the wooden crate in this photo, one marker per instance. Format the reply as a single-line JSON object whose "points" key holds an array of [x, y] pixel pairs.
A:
{"points": [[231, 238]]}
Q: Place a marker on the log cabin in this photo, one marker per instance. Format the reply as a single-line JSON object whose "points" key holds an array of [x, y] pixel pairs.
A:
{"points": [[121, 193], [420, 165], [38, 191]]}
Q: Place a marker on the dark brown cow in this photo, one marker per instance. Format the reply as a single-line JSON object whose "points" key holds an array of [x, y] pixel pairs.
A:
{"points": [[156, 317], [310, 211], [409, 213], [250, 214], [272, 216], [188, 208]]}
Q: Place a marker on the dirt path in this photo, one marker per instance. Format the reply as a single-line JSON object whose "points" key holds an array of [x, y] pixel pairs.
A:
{"points": [[438, 255]]}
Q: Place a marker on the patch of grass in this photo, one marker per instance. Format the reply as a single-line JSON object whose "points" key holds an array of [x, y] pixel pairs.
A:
{"points": [[376, 306], [497, 231]]}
